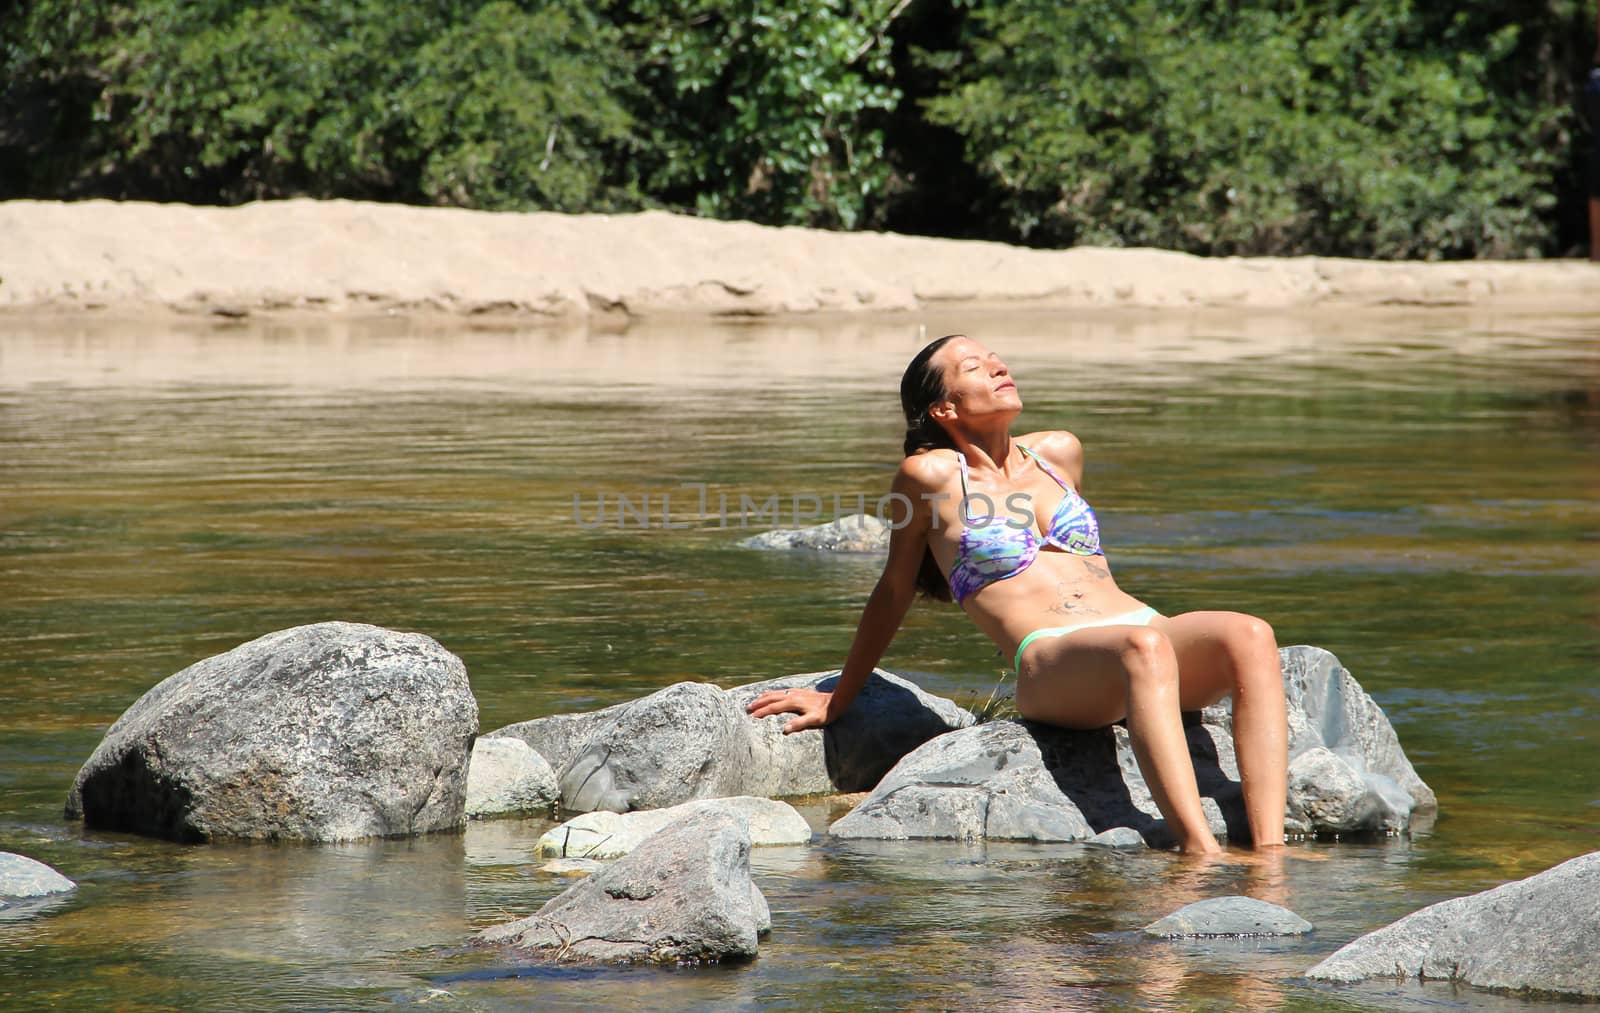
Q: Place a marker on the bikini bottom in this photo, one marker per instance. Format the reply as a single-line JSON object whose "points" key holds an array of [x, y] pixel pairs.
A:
{"points": [[1138, 617]]}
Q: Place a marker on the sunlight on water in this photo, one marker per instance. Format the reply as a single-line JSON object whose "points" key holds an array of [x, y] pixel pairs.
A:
{"points": [[1415, 492]]}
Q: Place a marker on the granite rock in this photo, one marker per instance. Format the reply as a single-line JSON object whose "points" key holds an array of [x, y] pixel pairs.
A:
{"points": [[1023, 781], [685, 896], [694, 740], [1229, 916], [604, 835], [1537, 934], [328, 732], [507, 778]]}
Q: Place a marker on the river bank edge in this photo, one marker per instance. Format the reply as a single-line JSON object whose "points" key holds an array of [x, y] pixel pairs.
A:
{"points": [[307, 258]]}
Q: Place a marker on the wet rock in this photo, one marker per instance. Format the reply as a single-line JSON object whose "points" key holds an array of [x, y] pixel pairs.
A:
{"points": [[990, 781], [604, 835], [1229, 916], [1538, 934], [506, 778], [856, 533], [1022, 781], [329, 732], [693, 740], [1118, 837], [686, 896], [1329, 710], [558, 737], [573, 867], [23, 879]]}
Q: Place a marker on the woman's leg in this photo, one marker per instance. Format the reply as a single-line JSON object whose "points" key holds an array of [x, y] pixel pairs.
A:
{"points": [[1095, 676], [1231, 654]]}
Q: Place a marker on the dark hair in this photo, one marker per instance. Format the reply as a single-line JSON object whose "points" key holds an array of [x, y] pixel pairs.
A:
{"points": [[921, 387]]}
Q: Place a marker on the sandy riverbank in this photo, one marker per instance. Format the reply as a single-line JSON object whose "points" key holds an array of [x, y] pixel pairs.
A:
{"points": [[344, 257]]}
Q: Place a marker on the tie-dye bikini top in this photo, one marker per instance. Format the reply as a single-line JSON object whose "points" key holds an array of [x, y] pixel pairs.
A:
{"points": [[996, 547]]}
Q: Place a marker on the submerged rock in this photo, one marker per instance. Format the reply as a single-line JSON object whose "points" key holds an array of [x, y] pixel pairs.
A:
{"points": [[693, 740], [1022, 781], [506, 778], [686, 896], [856, 533], [23, 879], [1539, 934], [329, 732], [1229, 916], [603, 835]]}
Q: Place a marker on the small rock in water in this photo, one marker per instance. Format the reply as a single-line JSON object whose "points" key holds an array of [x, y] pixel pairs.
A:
{"points": [[575, 867], [687, 897], [23, 879], [1118, 837], [1229, 916], [856, 533], [506, 777], [602, 835]]}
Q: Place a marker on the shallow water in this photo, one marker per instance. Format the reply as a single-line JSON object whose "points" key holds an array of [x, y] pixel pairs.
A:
{"points": [[1415, 492]]}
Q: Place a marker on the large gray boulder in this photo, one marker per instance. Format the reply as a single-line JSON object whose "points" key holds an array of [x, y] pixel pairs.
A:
{"points": [[329, 732], [1021, 781], [684, 896], [1540, 934], [24, 880], [693, 740]]}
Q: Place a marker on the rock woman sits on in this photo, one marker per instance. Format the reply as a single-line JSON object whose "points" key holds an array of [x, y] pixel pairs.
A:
{"points": [[997, 524]]}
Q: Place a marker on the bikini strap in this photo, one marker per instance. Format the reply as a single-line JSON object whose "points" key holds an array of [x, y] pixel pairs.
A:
{"points": [[1044, 465], [961, 508]]}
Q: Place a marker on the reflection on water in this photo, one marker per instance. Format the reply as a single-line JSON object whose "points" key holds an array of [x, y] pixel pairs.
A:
{"points": [[1414, 492]]}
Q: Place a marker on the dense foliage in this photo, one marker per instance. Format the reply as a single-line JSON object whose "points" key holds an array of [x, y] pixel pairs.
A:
{"points": [[1390, 128]]}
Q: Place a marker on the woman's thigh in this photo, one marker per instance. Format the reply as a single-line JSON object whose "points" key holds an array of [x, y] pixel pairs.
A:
{"points": [[1079, 680], [1210, 647]]}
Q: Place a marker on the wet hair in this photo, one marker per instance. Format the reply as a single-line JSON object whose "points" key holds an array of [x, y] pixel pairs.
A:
{"points": [[922, 387]]}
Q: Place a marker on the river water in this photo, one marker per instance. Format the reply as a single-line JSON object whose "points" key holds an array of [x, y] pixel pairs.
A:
{"points": [[1414, 491]]}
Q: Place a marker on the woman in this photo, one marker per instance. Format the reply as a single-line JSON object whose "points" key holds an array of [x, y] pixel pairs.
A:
{"points": [[1024, 560]]}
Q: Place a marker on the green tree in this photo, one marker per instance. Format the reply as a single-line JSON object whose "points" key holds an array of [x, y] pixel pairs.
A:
{"points": [[761, 110], [1363, 129], [484, 104]]}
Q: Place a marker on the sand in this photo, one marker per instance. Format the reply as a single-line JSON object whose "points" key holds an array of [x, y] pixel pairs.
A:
{"points": [[344, 257]]}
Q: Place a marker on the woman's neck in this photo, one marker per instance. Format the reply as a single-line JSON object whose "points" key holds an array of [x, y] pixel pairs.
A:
{"points": [[991, 446]]}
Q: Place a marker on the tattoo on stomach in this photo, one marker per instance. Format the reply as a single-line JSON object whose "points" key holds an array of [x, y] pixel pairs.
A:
{"points": [[1071, 604]]}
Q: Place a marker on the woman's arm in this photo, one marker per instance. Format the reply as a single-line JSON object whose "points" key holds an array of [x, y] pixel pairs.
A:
{"points": [[885, 610]]}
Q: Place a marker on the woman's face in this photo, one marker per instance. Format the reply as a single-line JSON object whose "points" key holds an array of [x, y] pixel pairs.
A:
{"points": [[976, 380]]}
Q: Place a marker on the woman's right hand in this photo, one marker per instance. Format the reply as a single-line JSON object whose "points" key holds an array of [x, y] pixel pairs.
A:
{"points": [[809, 705]]}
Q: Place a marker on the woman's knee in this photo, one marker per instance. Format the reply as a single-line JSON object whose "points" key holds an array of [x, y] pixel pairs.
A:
{"points": [[1252, 648], [1247, 638], [1149, 660]]}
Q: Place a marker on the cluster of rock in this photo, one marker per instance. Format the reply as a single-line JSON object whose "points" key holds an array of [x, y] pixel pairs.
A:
{"points": [[339, 731], [1020, 781]]}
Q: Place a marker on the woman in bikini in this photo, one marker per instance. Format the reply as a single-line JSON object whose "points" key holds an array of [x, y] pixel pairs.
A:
{"points": [[997, 524]]}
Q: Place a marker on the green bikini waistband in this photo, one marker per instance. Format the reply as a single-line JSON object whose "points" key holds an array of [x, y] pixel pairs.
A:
{"points": [[1138, 617]]}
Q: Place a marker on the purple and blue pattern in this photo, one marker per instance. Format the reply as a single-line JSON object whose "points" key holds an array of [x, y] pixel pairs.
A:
{"points": [[996, 550]]}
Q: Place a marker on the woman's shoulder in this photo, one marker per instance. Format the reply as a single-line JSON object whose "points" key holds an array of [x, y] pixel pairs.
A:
{"points": [[1056, 445], [930, 469]]}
